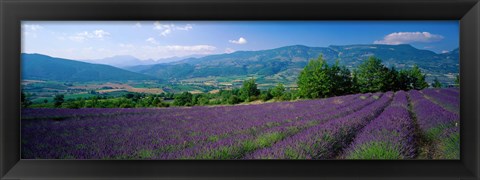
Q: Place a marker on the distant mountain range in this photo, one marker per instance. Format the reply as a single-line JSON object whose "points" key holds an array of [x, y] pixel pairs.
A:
{"points": [[123, 61], [287, 62], [280, 64], [42, 67]]}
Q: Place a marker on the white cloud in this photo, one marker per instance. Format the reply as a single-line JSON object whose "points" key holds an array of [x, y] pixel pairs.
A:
{"points": [[445, 51], [185, 28], [409, 37], [32, 27], [229, 50], [166, 29], [31, 30], [100, 33], [138, 25], [166, 32], [241, 40], [152, 40], [82, 36], [159, 26]]}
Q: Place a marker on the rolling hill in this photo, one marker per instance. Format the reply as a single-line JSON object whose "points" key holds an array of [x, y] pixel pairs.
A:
{"points": [[42, 67], [269, 66], [285, 63]]}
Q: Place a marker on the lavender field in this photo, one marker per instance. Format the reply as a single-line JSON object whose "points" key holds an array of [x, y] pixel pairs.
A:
{"points": [[393, 125]]}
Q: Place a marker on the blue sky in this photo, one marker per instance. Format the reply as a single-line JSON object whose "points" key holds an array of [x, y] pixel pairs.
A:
{"points": [[162, 39]]}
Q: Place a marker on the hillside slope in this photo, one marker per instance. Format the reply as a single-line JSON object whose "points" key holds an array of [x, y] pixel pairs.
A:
{"points": [[286, 62], [42, 67]]}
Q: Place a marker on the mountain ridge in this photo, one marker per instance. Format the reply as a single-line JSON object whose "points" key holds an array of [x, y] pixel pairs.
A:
{"points": [[125, 61], [284, 63], [43, 67], [292, 58]]}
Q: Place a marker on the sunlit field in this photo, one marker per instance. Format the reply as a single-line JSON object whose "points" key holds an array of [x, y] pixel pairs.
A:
{"points": [[393, 125]]}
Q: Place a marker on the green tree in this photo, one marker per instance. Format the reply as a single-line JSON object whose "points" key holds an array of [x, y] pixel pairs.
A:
{"points": [[266, 95], [436, 83], [278, 91], [58, 100], [71, 105], [372, 75], [342, 82], [156, 102], [25, 102], [203, 100], [417, 78], [404, 80], [457, 81], [355, 87], [249, 90], [289, 95], [391, 82], [184, 99], [314, 80], [234, 100]]}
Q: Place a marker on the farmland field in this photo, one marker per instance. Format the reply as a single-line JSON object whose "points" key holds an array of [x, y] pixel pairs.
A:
{"points": [[393, 125]]}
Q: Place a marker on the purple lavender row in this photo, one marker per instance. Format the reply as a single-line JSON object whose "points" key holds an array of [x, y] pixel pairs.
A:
{"points": [[277, 118], [389, 136], [325, 140], [179, 133], [235, 147], [139, 136], [284, 112], [41, 113], [428, 114], [439, 126], [248, 143], [455, 92], [448, 102]]}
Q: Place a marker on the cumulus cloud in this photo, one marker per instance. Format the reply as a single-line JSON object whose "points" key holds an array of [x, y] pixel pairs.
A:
{"points": [[241, 40], [82, 36], [152, 40], [409, 37], [166, 29]]}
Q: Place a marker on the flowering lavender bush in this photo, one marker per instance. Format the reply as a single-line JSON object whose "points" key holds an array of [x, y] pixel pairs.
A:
{"points": [[325, 140], [449, 102], [437, 124], [389, 136], [308, 129]]}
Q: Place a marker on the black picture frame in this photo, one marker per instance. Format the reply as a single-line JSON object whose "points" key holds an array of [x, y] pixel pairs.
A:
{"points": [[14, 11]]}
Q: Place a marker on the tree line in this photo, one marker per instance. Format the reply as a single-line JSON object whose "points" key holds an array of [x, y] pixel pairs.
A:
{"points": [[320, 80]]}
